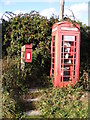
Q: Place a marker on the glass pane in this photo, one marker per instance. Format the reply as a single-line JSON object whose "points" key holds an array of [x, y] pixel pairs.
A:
{"points": [[53, 54], [69, 38], [53, 43], [52, 71], [75, 49], [75, 38], [53, 38], [53, 60], [66, 73], [52, 65], [53, 49], [66, 79]]}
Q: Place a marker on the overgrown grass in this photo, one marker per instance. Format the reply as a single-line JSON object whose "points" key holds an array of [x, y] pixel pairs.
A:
{"points": [[69, 102], [14, 86]]}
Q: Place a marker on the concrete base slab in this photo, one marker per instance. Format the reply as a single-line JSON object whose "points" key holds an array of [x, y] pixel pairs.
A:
{"points": [[33, 100], [33, 112], [33, 90]]}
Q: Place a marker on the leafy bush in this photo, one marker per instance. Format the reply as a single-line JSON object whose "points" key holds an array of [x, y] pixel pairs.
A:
{"points": [[14, 86], [84, 48], [64, 103], [25, 29]]}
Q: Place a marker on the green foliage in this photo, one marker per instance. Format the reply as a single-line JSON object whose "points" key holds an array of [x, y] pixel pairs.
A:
{"points": [[30, 28], [14, 86], [64, 103], [85, 43]]}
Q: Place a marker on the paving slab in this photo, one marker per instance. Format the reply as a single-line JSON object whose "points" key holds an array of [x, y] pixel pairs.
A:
{"points": [[33, 90], [33, 100], [33, 112]]}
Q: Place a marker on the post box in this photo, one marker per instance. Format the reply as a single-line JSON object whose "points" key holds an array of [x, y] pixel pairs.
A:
{"points": [[65, 53], [28, 52]]}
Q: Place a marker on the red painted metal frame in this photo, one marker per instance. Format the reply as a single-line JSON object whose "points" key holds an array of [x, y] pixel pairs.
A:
{"points": [[28, 49], [58, 33], [52, 57]]}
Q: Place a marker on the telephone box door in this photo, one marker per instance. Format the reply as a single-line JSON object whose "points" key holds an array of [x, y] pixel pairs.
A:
{"points": [[69, 58]]}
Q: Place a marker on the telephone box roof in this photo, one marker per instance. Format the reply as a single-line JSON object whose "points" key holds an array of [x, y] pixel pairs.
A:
{"points": [[65, 23]]}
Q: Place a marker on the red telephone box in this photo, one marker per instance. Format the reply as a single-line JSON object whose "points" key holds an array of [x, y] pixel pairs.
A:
{"points": [[28, 53], [65, 53]]}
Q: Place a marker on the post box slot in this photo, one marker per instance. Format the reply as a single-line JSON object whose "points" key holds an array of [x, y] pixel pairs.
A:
{"points": [[28, 48]]}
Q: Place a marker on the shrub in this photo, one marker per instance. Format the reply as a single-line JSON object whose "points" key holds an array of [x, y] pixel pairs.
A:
{"points": [[14, 86], [64, 103]]}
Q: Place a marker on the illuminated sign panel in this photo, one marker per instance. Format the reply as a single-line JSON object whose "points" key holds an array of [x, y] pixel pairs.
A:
{"points": [[69, 29]]}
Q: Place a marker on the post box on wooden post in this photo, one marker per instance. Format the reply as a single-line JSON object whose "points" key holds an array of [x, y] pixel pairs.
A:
{"points": [[26, 54]]}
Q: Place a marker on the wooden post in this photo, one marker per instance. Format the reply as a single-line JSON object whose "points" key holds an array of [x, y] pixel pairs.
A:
{"points": [[61, 10], [22, 57], [0, 71]]}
